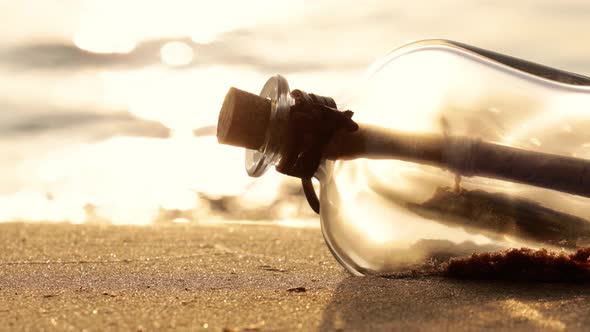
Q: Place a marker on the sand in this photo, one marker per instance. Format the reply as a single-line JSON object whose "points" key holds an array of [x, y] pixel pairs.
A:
{"points": [[58, 277]]}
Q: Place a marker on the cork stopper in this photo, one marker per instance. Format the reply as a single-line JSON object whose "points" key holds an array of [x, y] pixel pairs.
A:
{"points": [[243, 119]]}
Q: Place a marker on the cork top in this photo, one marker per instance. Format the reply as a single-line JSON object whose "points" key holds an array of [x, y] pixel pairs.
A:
{"points": [[243, 120]]}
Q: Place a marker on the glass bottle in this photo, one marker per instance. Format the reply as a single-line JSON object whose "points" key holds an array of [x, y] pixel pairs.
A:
{"points": [[459, 150]]}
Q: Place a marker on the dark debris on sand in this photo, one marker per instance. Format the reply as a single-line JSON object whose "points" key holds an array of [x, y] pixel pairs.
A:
{"points": [[297, 290], [522, 264], [517, 264]]}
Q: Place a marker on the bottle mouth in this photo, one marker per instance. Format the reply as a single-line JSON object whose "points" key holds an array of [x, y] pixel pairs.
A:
{"points": [[258, 161], [282, 128]]}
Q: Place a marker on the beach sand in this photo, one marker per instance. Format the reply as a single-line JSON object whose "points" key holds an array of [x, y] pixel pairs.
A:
{"points": [[244, 278]]}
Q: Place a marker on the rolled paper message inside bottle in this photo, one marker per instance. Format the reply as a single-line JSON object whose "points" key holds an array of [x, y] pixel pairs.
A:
{"points": [[244, 121]]}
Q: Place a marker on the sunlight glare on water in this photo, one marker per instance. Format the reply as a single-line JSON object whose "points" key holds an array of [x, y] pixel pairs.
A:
{"points": [[114, 26], [176, 54], [129, 179]]}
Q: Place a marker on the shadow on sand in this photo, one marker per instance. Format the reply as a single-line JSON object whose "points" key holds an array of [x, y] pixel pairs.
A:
{"points": [[436, 303]]}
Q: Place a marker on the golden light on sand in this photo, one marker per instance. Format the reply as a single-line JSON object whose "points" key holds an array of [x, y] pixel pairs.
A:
{"points": [[528, 312]]}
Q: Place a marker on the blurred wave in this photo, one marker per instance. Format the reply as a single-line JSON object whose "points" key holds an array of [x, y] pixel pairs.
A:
{"points": [[87, 125]]}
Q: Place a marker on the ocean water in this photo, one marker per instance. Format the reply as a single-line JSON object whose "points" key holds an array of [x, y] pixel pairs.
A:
{"points": [[107, 108]]}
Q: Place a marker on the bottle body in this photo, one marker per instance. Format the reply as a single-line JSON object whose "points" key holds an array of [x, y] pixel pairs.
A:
{"points": [[386, 215]]}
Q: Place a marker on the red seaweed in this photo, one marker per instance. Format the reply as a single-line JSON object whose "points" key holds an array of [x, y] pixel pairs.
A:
{"points": [[522, 264]]}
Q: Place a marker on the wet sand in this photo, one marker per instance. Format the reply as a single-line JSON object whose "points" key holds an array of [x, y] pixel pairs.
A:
{"points": [[244, 278]]}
